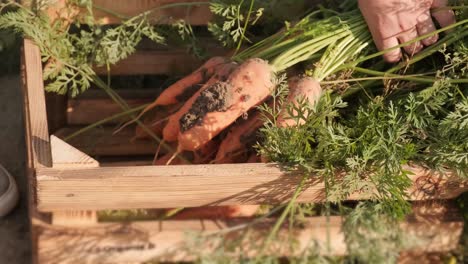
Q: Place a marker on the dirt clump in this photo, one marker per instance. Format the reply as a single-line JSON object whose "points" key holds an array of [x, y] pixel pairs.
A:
{"points": [[216, 98]]}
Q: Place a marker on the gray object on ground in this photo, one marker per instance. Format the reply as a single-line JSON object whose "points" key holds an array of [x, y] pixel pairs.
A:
{"points": [[8, 192]]}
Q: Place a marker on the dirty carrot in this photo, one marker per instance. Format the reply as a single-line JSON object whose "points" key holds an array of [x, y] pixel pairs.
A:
{"points": [[222, 103], [172, 128], [240, 137], [302, 88], [189, 83], [156, 120]]}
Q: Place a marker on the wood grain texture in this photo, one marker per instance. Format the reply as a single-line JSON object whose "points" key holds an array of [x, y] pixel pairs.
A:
{"points": [[137, 242], [74, 218], [66, 156], [196, 15], [101, 141], [164, 62], [89, 111], [31, 72], [200, 185], [36, 117]]}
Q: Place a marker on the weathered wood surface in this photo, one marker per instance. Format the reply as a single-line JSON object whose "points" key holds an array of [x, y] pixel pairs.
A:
{"points": [[110, 11], [137, 242], [36, 132], [101, 141], [156, 62], [200, 185], [35, 108], [88, 111], [66, 156]]}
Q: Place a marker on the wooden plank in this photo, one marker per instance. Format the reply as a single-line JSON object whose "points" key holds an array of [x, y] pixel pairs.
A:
{"points": [[195, 15], [36, 135], [137, 242], [101, 141], [166, 62], [200, 185], [108, 11], [66, 156], [36, 118], [88, 111], [74, 218]]}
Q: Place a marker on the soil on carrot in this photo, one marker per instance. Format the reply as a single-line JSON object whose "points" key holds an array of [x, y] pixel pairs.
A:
{"points": [[217, 97]]}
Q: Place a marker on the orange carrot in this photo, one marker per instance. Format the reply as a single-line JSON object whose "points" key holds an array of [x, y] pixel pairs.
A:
{"points": [[172, 128], [222, 103], [299, 88], [155, 120], [199, 76], [241, 136], [186, 87]]}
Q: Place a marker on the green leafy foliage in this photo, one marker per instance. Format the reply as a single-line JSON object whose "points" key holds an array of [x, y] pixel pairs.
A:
{"points": [[70, 51]]}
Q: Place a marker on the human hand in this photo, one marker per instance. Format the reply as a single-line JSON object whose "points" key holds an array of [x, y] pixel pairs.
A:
{"points": [[393, 22]]}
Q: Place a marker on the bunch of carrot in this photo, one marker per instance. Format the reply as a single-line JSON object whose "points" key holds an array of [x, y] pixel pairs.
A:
{"points": [[218, 122], [210, 116], [215, 105]]}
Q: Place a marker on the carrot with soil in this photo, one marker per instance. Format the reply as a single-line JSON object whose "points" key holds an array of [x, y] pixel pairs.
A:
{"points": [[172, 128], [188, 85], [234, 148], [222, 103]]}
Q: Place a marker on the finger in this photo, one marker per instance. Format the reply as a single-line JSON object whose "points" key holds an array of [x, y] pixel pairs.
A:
{"points": [[425, 26], [444, 17], [392, 55], [409, 35]]}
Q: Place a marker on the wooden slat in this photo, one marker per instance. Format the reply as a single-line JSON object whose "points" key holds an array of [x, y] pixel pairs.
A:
{"points": [[74, 218], [195, 15], [101, 142], [138, 242], [166, 62], [36, 117], [199, 185], [36, 133], [88, 111], [66, 156]]}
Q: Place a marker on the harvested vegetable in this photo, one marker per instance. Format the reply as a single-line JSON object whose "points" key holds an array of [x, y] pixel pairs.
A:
{"points": [[301, 89], [156, 120], [221, 104], [187, 86], [172, 128], [242, 136]]}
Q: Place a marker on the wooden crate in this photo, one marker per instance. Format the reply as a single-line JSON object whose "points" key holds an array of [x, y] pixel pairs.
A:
{"points": [[71, 182]]}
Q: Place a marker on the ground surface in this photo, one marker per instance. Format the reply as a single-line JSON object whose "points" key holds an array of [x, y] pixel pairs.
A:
{"points": [[14, 229]]}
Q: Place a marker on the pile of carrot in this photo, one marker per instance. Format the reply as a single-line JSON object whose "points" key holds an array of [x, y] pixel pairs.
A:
{"points": [[211, 115]]}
